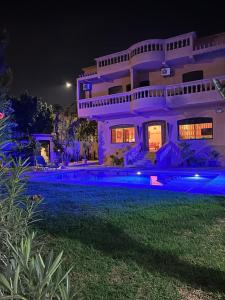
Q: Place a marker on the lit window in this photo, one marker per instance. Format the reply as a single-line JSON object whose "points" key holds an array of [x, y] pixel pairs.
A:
{"points": [[195, 129], [123, 135]]}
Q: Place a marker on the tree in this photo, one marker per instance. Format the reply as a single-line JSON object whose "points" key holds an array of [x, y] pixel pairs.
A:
{"points": [[37, 119], [24, 272], [69, 131]]}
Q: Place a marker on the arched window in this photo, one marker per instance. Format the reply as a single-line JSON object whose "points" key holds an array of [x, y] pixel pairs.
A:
{"points": [[195, 128]]}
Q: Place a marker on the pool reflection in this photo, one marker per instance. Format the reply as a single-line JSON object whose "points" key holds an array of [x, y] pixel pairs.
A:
{"points": [[154, 181]]}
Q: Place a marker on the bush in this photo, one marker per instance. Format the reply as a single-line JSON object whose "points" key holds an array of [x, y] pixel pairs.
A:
{"points": [[29, 276], [117, 161], [24, 273]]}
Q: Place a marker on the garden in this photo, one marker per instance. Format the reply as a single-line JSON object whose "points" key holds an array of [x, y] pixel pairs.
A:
{"points": [[66, 242]]}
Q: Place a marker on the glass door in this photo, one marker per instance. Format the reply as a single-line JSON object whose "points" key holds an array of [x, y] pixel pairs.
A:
{"points": [[154, 137]]}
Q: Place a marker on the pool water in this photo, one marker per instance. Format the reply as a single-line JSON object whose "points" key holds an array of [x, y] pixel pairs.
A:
{"points": [[195, 183]]}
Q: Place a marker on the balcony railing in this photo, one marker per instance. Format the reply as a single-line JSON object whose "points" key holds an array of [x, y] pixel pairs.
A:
{"points": [[87, 74], [198, 86], [210, 43], [153, 98], [194, 92]]}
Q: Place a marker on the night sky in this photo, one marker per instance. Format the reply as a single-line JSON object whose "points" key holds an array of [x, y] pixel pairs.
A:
{"points": [[50, 43]]}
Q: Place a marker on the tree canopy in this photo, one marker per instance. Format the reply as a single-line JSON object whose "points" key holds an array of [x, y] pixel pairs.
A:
{"points": [[32, 115]]}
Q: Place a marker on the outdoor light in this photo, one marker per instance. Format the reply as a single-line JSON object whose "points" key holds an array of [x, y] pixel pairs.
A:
{"points": [[197, 175], [138, 173], [68, 84]]}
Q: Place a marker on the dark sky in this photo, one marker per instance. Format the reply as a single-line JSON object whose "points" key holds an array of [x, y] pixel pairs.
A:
{"points": [[50, 42]]}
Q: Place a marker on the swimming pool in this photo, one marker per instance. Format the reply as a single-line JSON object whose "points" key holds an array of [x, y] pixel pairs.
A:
{"points": [[206, 183]]}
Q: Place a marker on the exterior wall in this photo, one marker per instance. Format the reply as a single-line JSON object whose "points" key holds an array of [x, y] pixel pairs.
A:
{"points": [[106, 148], [210, 68], [89, 70], [101, 89], [166, 98]]}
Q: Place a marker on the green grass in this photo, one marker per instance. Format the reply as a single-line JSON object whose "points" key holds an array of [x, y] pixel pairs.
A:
{"points": [[133, 249]]}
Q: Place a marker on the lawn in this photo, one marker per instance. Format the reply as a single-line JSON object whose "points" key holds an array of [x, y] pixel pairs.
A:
{"points": [[135, 243]]}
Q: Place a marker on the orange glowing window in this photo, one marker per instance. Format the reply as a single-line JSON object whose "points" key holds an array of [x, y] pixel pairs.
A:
{"points": [[123, 135], [195, 129]]}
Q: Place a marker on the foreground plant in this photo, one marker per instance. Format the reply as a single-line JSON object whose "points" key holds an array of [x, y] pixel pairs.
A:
{"points": [[29, 276], [17, 210], [24, 273]]}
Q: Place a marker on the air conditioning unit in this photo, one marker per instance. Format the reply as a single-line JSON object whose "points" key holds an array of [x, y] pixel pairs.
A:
{"points": [[87, 86], [166, 71]]}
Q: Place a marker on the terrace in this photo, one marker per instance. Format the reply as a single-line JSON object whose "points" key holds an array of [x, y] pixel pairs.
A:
{"points": [[152, 98]]}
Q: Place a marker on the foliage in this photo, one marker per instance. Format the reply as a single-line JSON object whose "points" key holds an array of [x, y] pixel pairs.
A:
{"points": [[69, 131], [17, 211], [37, 119], [214, 154], [24, 273], [117, 161], [86, 130], [30, 276]]}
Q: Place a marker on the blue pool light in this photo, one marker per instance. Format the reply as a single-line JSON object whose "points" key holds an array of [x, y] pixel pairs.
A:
{"points": [[197, 175], [138, 173]]}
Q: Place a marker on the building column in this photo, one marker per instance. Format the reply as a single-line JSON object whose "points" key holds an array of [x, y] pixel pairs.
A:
{"points": [[78, 90]]}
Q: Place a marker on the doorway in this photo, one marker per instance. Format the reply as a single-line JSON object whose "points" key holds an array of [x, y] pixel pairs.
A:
{"points": [[155, 135]]}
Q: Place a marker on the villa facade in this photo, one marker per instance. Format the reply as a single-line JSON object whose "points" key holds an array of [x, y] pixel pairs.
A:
{"points": [[157, 98]]}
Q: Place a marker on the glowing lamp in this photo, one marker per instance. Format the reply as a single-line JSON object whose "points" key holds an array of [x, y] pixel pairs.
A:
{"points": [[138, 173], [68, 84], [197, 175]]}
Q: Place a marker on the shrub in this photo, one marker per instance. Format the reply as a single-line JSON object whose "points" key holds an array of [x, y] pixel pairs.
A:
{"points": [[29, 276], [117, 161], [24, 273]]}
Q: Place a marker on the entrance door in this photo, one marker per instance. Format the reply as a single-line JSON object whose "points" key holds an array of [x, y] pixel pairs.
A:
{"points": [[154, 137]]}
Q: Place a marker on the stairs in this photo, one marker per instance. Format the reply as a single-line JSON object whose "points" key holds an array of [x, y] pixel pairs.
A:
{"points": [[144, 159]]}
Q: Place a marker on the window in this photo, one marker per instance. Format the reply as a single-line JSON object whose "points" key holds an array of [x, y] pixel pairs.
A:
{"points": [[123, 135], [195, 129], [144, 83], [115, 89], [194, 75], [128, 87]]}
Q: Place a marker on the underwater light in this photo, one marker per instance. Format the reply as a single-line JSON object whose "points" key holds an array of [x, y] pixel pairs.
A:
{"points": [[197, 175], [138, 173]]}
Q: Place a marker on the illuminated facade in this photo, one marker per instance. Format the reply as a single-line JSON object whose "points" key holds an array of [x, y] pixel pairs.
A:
{"points": [[154, 96]]}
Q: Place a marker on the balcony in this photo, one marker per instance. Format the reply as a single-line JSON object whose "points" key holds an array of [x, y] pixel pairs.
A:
{"points": [[151, 99], [124, 104], [148, 99], [193, 93], [149, 54], [113, 63], [209, 44], [105, 106]]}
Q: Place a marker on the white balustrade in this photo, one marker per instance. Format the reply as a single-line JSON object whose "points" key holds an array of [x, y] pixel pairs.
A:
{"points": [[155, 95]]}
